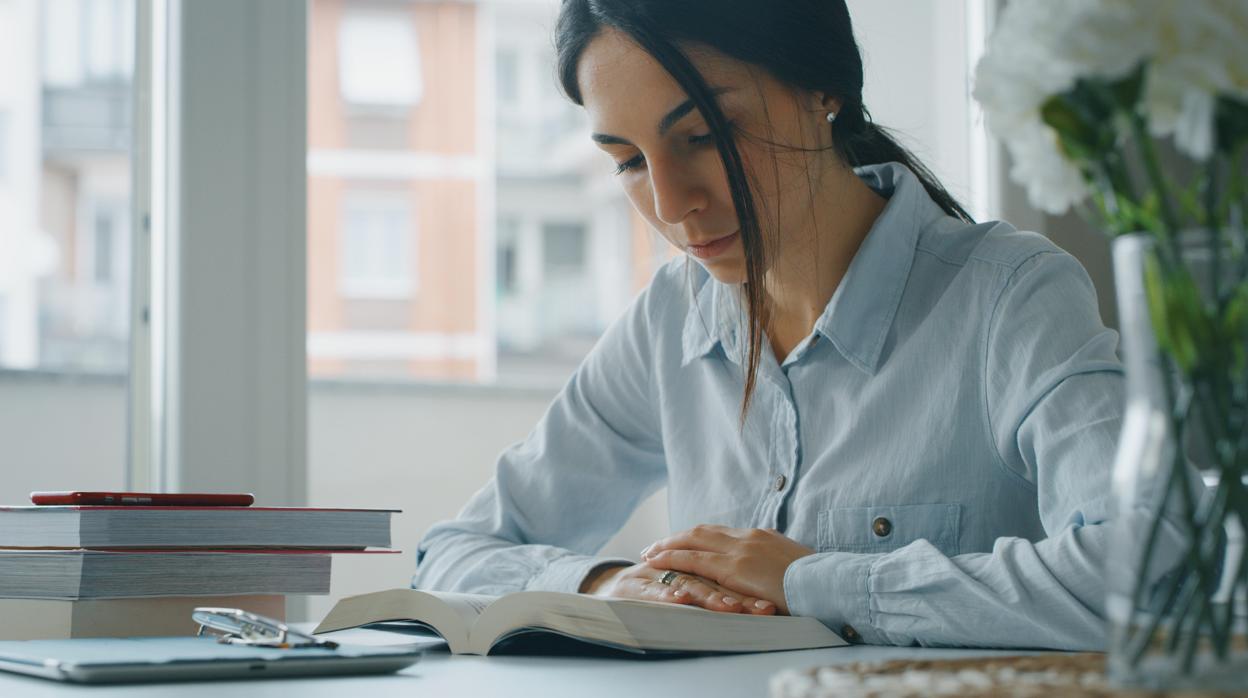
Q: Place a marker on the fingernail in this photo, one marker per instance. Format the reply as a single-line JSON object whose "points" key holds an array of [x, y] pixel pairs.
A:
{"points": [[680, 593], [731, 601], [645, 552], [761, 604]]}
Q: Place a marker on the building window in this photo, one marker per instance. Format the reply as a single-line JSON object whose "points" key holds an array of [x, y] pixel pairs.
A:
{"points": [[507, 241], [110, 39], [379, 60], [87, 41], [563, 248], [377, 241]]}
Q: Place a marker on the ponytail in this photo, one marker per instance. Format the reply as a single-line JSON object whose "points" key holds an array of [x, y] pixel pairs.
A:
{"points": [[863, 142]]}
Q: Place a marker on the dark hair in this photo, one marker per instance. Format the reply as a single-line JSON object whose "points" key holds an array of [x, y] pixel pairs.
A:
{"points": [[806, 44]]}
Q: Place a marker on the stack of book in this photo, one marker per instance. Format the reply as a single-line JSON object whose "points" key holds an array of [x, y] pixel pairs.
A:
{"points": [[125, 571]]}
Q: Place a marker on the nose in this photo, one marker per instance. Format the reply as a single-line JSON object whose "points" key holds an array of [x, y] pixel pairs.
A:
{"points": [[677, 191]]}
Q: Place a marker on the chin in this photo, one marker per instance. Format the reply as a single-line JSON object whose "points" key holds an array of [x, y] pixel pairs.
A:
{"points": [[725, 271]]}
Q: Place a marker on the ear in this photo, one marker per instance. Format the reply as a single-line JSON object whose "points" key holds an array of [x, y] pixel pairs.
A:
{"points": [[829, 102], [820, 103]]}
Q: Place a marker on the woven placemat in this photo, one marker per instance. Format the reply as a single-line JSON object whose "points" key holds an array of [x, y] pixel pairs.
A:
{"points": [[1066, 675]]}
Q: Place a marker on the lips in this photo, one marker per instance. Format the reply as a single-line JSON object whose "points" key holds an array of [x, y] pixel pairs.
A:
{"points": [[712, 248]]}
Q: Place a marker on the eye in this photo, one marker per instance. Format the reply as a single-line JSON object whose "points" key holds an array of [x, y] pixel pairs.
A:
{"points": [[630, 164], [701, 140]]}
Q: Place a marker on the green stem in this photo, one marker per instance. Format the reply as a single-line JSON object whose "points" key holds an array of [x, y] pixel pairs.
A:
{"points": [[1144, 637], [1213, 222], [1181, 613], [1237, 198], [1152, 168], [1193, 638], [1171, 588]]}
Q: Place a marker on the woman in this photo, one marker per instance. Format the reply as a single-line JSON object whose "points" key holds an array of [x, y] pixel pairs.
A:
{"points": [[866, 408]]}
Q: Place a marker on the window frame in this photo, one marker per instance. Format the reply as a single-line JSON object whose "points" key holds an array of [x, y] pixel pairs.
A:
{"points": [[217, 394]]}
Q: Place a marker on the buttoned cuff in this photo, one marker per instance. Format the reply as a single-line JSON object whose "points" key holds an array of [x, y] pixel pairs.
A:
{"points": [[567, 573], [834, 588]]}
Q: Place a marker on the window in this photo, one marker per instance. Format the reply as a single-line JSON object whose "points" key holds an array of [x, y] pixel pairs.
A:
{"points": [[87, 41], [379, 64], [65, 152], [507, 265], [375, 252], [497, 168], [65, 177]]}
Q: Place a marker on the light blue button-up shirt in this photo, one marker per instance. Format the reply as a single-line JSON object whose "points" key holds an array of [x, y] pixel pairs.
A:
{"points": [[943, 440]]}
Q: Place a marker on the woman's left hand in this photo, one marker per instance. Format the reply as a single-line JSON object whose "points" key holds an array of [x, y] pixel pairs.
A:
{"points": [[750, 561]]}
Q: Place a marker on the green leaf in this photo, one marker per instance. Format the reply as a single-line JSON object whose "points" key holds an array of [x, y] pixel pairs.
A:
{"points": [[1081, 122], [1126, 92], [1190, 204], [1231, 121], [1235, 329]]}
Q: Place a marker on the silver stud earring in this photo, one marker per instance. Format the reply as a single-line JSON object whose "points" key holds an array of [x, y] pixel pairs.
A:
{"points": [[831, 117]]}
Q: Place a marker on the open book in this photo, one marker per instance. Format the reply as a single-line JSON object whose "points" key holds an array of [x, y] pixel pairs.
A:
{"points": [[473, 624]]}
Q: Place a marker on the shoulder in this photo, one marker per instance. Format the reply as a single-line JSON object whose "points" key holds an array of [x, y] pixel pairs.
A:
{"points": [[991, 246]]}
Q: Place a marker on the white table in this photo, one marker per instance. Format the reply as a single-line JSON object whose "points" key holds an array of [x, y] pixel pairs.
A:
{"points": [[441, 674]]}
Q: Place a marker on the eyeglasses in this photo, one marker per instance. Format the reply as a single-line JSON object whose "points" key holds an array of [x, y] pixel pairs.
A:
{"points": [[234, 626]]}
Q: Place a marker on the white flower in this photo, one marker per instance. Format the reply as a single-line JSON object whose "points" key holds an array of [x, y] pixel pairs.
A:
{"points": [[1201, 54], [1053, 183], [1194, 52], [1040, 49]]}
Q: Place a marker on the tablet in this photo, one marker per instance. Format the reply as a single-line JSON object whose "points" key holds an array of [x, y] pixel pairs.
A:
{"points": [[116, 660]]}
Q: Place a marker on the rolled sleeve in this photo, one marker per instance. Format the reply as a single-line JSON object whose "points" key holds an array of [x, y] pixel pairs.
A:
{"points": [[835, 589], [567, 573]]}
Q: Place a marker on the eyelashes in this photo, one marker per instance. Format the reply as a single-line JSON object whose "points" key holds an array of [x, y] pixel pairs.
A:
{"points": [[629, 165], [637, 161]]}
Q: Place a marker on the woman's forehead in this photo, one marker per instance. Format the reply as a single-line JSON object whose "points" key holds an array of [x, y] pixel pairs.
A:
{"points": [[621, 82]]}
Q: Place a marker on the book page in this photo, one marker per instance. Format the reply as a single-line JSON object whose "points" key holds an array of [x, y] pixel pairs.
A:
{"points": [[467, 606], [644, 625], [450, 615]]}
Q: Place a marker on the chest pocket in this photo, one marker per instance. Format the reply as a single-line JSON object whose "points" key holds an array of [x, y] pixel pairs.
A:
{"points": [[884, 528]]}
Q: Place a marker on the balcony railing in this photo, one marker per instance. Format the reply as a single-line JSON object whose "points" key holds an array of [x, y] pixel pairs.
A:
{"points": [[87, 119]]}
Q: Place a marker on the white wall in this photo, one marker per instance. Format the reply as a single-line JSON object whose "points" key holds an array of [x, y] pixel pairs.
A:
{"points": [[917, 81], [60, 433], [424, 450]]}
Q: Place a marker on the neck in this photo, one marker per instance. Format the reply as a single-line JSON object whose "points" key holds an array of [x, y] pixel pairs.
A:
{"points": [[812, 259]]}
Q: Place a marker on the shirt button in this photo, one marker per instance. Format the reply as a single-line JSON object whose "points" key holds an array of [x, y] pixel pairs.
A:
{"points": [[780, 482], [850, 635], [882, 526]]}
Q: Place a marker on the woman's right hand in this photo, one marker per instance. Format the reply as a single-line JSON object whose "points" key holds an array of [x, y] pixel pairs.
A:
{"points": [[641, 581]]}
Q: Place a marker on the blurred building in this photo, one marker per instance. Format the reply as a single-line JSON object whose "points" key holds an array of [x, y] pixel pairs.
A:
{"points": [[460, 223], [65, 135]]}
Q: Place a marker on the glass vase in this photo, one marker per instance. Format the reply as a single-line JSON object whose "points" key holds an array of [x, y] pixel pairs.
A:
{"points": [[1175, 577]]}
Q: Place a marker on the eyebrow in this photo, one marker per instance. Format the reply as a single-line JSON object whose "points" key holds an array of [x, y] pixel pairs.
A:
{"points": [[665, 124]]}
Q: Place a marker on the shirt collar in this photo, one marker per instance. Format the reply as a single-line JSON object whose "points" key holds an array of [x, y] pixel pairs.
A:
{"points": [[858, 317]]}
